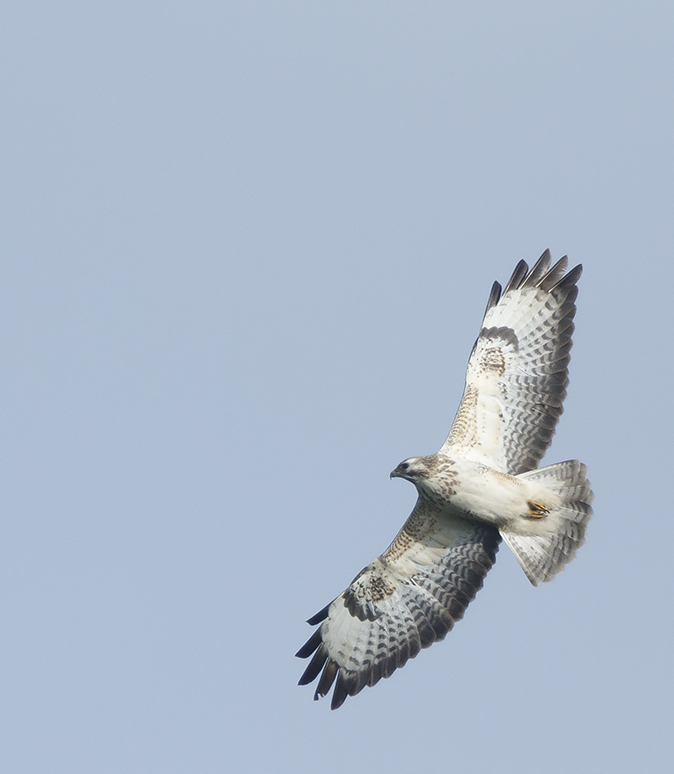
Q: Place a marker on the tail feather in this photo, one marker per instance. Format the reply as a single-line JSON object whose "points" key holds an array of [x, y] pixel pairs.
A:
{"points": [[544, 546]]}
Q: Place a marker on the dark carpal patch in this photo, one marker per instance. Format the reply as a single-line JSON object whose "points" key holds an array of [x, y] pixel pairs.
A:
{"points": [[493, 360], [367, 589]]}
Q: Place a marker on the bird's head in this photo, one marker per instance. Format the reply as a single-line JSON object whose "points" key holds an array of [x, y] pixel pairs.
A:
{"points": [[413, 469]]}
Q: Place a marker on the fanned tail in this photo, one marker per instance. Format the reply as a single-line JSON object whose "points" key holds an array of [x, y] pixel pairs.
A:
{"points": [[553, 539]]}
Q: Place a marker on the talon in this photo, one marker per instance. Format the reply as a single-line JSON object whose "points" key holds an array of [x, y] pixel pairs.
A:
{"points": [[537, 510]]}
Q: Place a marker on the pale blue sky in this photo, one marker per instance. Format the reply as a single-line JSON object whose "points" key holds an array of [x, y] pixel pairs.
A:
{"points": [[246, 250]]}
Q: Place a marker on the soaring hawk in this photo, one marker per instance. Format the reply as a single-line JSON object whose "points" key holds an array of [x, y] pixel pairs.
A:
{"points": [[483, 485]]}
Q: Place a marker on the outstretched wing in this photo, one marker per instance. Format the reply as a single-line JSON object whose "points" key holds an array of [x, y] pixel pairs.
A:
{"points": [[518, 370], [405, 600]]}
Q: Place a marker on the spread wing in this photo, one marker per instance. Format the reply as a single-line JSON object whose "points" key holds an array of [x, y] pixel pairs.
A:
{"points": [[405, 600], [518, 370]]}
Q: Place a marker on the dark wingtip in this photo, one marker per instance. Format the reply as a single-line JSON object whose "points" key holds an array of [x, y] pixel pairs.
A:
{"points": [[521, 271], [494, 297], [315, 666], [341, 691], [554, 274], [310, 645], [321, 615], [538, 270], [327, 678], [542, 275], [571, 278]]}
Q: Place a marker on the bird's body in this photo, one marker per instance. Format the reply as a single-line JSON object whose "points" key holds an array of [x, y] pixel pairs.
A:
{"points": [[484, 494], [483, 485]]}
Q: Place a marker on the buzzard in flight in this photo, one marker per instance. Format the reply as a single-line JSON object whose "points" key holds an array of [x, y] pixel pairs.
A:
{"points": [[483, 485]]}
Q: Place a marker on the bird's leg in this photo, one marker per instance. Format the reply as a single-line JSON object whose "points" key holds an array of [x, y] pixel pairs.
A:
{"points": [[536, 510]]}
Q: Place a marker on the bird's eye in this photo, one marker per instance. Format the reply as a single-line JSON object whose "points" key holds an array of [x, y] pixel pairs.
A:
{"points": [[404, 465]]}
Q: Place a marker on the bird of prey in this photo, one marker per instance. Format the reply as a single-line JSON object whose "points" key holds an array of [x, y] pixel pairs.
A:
{"points": [[483, 485]]}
